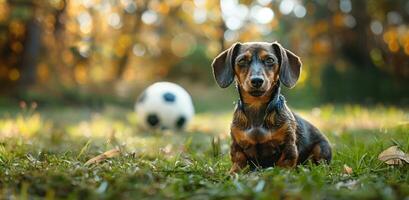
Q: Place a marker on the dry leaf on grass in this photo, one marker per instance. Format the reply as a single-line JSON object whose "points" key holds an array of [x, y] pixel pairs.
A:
{"points": [[347, 169], [393, 156], [108, 154]]}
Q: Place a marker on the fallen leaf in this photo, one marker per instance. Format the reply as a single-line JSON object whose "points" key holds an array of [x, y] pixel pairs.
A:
{"points": [[108, 154], [393, 156], [347, 169], [167, 149]]}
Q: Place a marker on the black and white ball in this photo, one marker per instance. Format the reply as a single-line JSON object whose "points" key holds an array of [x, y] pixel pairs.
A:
{"points": [[164, 105]]}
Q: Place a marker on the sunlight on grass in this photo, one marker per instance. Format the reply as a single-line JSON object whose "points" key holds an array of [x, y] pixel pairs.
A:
{"points": [[24, 125], [335, 119], [43, 153], [212, 123], [105, 126]]}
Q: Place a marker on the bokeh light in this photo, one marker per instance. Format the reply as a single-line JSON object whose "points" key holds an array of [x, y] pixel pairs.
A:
{"points": [[376, 27], [345, 6], [91, 42], [149, 17], [262, 15], [286, 6]]}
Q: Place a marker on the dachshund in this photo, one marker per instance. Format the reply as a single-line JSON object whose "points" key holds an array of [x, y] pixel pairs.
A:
{"points": [[264, 131]]}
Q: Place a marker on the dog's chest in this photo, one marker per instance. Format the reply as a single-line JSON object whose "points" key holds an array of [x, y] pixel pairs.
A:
{"points": [[257, 135], [264, 155], [261, 145]]}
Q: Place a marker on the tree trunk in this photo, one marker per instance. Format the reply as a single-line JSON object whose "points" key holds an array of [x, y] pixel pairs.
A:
{"points": [[123, 61], [32, 45]]}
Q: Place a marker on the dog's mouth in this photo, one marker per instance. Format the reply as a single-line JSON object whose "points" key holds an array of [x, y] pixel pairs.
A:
{"points": [[256, 93]]}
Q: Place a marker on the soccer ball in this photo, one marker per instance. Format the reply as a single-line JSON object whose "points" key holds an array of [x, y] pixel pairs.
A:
{"points": [[164, 105]]}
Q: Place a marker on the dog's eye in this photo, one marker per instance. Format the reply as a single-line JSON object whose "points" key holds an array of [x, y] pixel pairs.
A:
{"points": [[269, 61], [242, 62]]}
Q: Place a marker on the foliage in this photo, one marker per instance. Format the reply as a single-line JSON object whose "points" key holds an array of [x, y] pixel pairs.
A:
{"points": [[121, 45]]}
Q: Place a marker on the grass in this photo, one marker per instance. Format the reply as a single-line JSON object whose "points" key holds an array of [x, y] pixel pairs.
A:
{"points": [[42, 155]]}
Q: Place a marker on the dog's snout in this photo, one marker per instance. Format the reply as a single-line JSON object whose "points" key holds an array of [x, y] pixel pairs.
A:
{"points": [[257, 82]]}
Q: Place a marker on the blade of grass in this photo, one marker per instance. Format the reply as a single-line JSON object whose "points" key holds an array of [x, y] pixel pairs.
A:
{"points": [[83, 149]]}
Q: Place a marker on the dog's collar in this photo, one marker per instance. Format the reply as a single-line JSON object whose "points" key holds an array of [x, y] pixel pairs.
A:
{"points": [[276, 101]]}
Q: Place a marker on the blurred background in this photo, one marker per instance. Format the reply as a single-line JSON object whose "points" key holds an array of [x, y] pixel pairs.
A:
{"points": [[71, 71], [98, 52]]}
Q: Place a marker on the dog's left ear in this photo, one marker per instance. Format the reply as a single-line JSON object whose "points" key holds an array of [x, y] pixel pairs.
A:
{"points": [[290, 65], [223, 66]]}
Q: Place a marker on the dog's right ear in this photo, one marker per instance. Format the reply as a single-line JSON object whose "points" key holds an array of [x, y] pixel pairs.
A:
{"points": [[290, 65], [223, 66]]}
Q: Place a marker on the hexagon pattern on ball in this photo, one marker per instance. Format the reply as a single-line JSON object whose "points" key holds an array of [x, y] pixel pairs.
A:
{"points": [[164, 105], [152, 120], [169, 97]]}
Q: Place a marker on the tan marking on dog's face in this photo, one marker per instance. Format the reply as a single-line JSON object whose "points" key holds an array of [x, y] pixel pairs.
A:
{"points": [[242, 72], [255, 60], [255, 102]]}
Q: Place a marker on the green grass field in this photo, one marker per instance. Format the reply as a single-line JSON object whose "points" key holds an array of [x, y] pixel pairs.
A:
{"points": [[43, 154]]}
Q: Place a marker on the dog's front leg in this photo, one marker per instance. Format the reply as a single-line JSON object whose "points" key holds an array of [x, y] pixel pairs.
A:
{"points": [[238, 158], [289, 155]]}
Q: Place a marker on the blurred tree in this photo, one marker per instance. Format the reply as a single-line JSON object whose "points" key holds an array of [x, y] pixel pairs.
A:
{"points": [[114, 46], [32, 45], [20, 47]]}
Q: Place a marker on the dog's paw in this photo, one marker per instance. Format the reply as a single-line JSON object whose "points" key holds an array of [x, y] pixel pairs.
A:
{"points": [[290, 163], [235, 169], [287, 162]]}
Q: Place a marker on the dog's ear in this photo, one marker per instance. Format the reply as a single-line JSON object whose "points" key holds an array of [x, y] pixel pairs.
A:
{"points": [[290, 65], [223, 66]]}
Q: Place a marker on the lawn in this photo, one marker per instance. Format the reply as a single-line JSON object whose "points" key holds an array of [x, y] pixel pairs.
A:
{"points": [[43, 153]]}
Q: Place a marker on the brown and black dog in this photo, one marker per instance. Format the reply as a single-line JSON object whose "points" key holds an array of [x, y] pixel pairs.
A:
{"points": [[264, 131]]}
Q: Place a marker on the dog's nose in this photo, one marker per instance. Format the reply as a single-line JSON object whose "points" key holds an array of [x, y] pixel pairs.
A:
{"points": [[256, 82]]}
